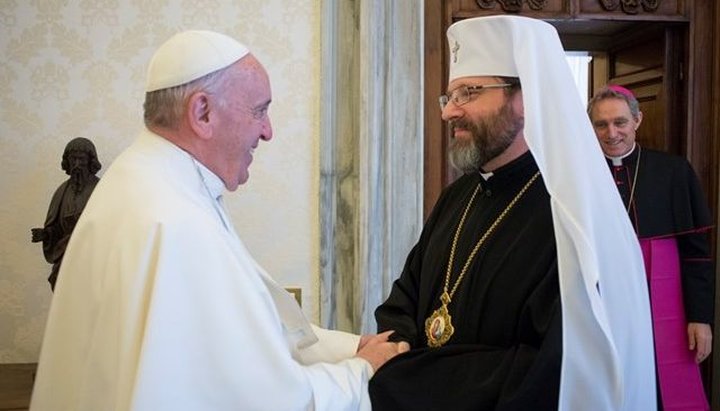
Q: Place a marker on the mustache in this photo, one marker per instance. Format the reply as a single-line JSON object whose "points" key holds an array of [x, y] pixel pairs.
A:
{"points": [[460, 123]]}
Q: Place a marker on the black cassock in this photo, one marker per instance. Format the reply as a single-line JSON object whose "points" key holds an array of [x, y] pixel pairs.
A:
{"points": [[505, 353], [669, 202]]}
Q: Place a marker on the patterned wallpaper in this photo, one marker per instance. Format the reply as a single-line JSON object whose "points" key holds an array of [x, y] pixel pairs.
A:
{"points": [[76, 68]]}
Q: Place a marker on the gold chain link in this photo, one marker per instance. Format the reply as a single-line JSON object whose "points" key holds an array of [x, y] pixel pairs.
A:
{"points": [[480, 241]]}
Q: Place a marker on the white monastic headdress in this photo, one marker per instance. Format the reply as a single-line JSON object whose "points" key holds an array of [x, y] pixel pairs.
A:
{"points": [[608, 361], [189, 55]]}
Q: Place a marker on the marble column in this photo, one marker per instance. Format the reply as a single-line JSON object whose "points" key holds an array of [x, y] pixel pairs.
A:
{"points": [[371, 157]]}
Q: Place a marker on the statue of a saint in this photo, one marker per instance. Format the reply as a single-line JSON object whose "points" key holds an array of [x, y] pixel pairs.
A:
{"points": [[80, 162]]}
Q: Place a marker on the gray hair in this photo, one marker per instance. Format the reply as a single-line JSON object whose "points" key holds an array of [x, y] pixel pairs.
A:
{"points": [[620, 93], [164, 107]]}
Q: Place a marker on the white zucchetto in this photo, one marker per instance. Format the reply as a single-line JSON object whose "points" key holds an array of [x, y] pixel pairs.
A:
{"points": [[189, 55]]}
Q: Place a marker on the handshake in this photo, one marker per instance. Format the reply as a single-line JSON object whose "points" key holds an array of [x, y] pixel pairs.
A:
{"points": [[377, 350]]}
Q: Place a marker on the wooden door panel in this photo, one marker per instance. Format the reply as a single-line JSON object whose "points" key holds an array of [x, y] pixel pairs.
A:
{"points": [[652, 133], [667, 8], [468, 8], [639, 58]]}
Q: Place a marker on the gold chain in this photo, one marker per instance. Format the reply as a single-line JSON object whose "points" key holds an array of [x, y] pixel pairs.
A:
{"points": [[438, 327], [481, 240], [634, 182]]}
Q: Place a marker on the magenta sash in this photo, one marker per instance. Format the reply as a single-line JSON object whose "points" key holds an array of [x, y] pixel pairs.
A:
{"points": [[681, 385]]}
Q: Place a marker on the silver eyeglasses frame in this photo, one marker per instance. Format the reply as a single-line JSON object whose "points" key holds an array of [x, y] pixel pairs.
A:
{"points": [[461, 95]]}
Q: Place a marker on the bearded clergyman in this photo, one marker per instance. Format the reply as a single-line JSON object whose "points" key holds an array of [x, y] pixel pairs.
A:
{"points": [[525, 290]]}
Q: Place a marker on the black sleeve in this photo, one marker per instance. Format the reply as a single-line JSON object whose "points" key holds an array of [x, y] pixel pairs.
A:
{"points": [[398, 312], [696, 265], [698, 279]]}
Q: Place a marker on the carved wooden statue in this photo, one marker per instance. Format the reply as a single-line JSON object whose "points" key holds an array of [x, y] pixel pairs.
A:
{"points": [[80, 162]]}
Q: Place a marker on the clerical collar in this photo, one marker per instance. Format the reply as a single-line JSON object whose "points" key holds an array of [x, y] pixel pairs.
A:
{"points": [[515, 166], [617, 161]]}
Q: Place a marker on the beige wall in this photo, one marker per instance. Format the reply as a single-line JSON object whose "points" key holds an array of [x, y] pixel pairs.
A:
{"points": [[75, 68]]}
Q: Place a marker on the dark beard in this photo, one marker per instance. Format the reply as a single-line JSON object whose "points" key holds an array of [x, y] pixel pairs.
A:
{"points": [[78, 179], [490, 137]]}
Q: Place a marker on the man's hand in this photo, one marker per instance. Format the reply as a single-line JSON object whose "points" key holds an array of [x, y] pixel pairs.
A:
{"points": [[377, 350], [38, 234], [364, 340], [700, 340]]}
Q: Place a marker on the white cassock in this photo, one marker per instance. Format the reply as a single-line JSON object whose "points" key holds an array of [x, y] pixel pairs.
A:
{"points": [[159, 306]]}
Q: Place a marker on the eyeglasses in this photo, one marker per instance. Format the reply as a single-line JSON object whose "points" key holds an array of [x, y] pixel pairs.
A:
{"points": [[461, 95]]}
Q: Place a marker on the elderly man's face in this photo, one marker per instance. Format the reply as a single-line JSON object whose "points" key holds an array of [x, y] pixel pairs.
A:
{"points": [[615, 127], [484, 126], [243, 121]]}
